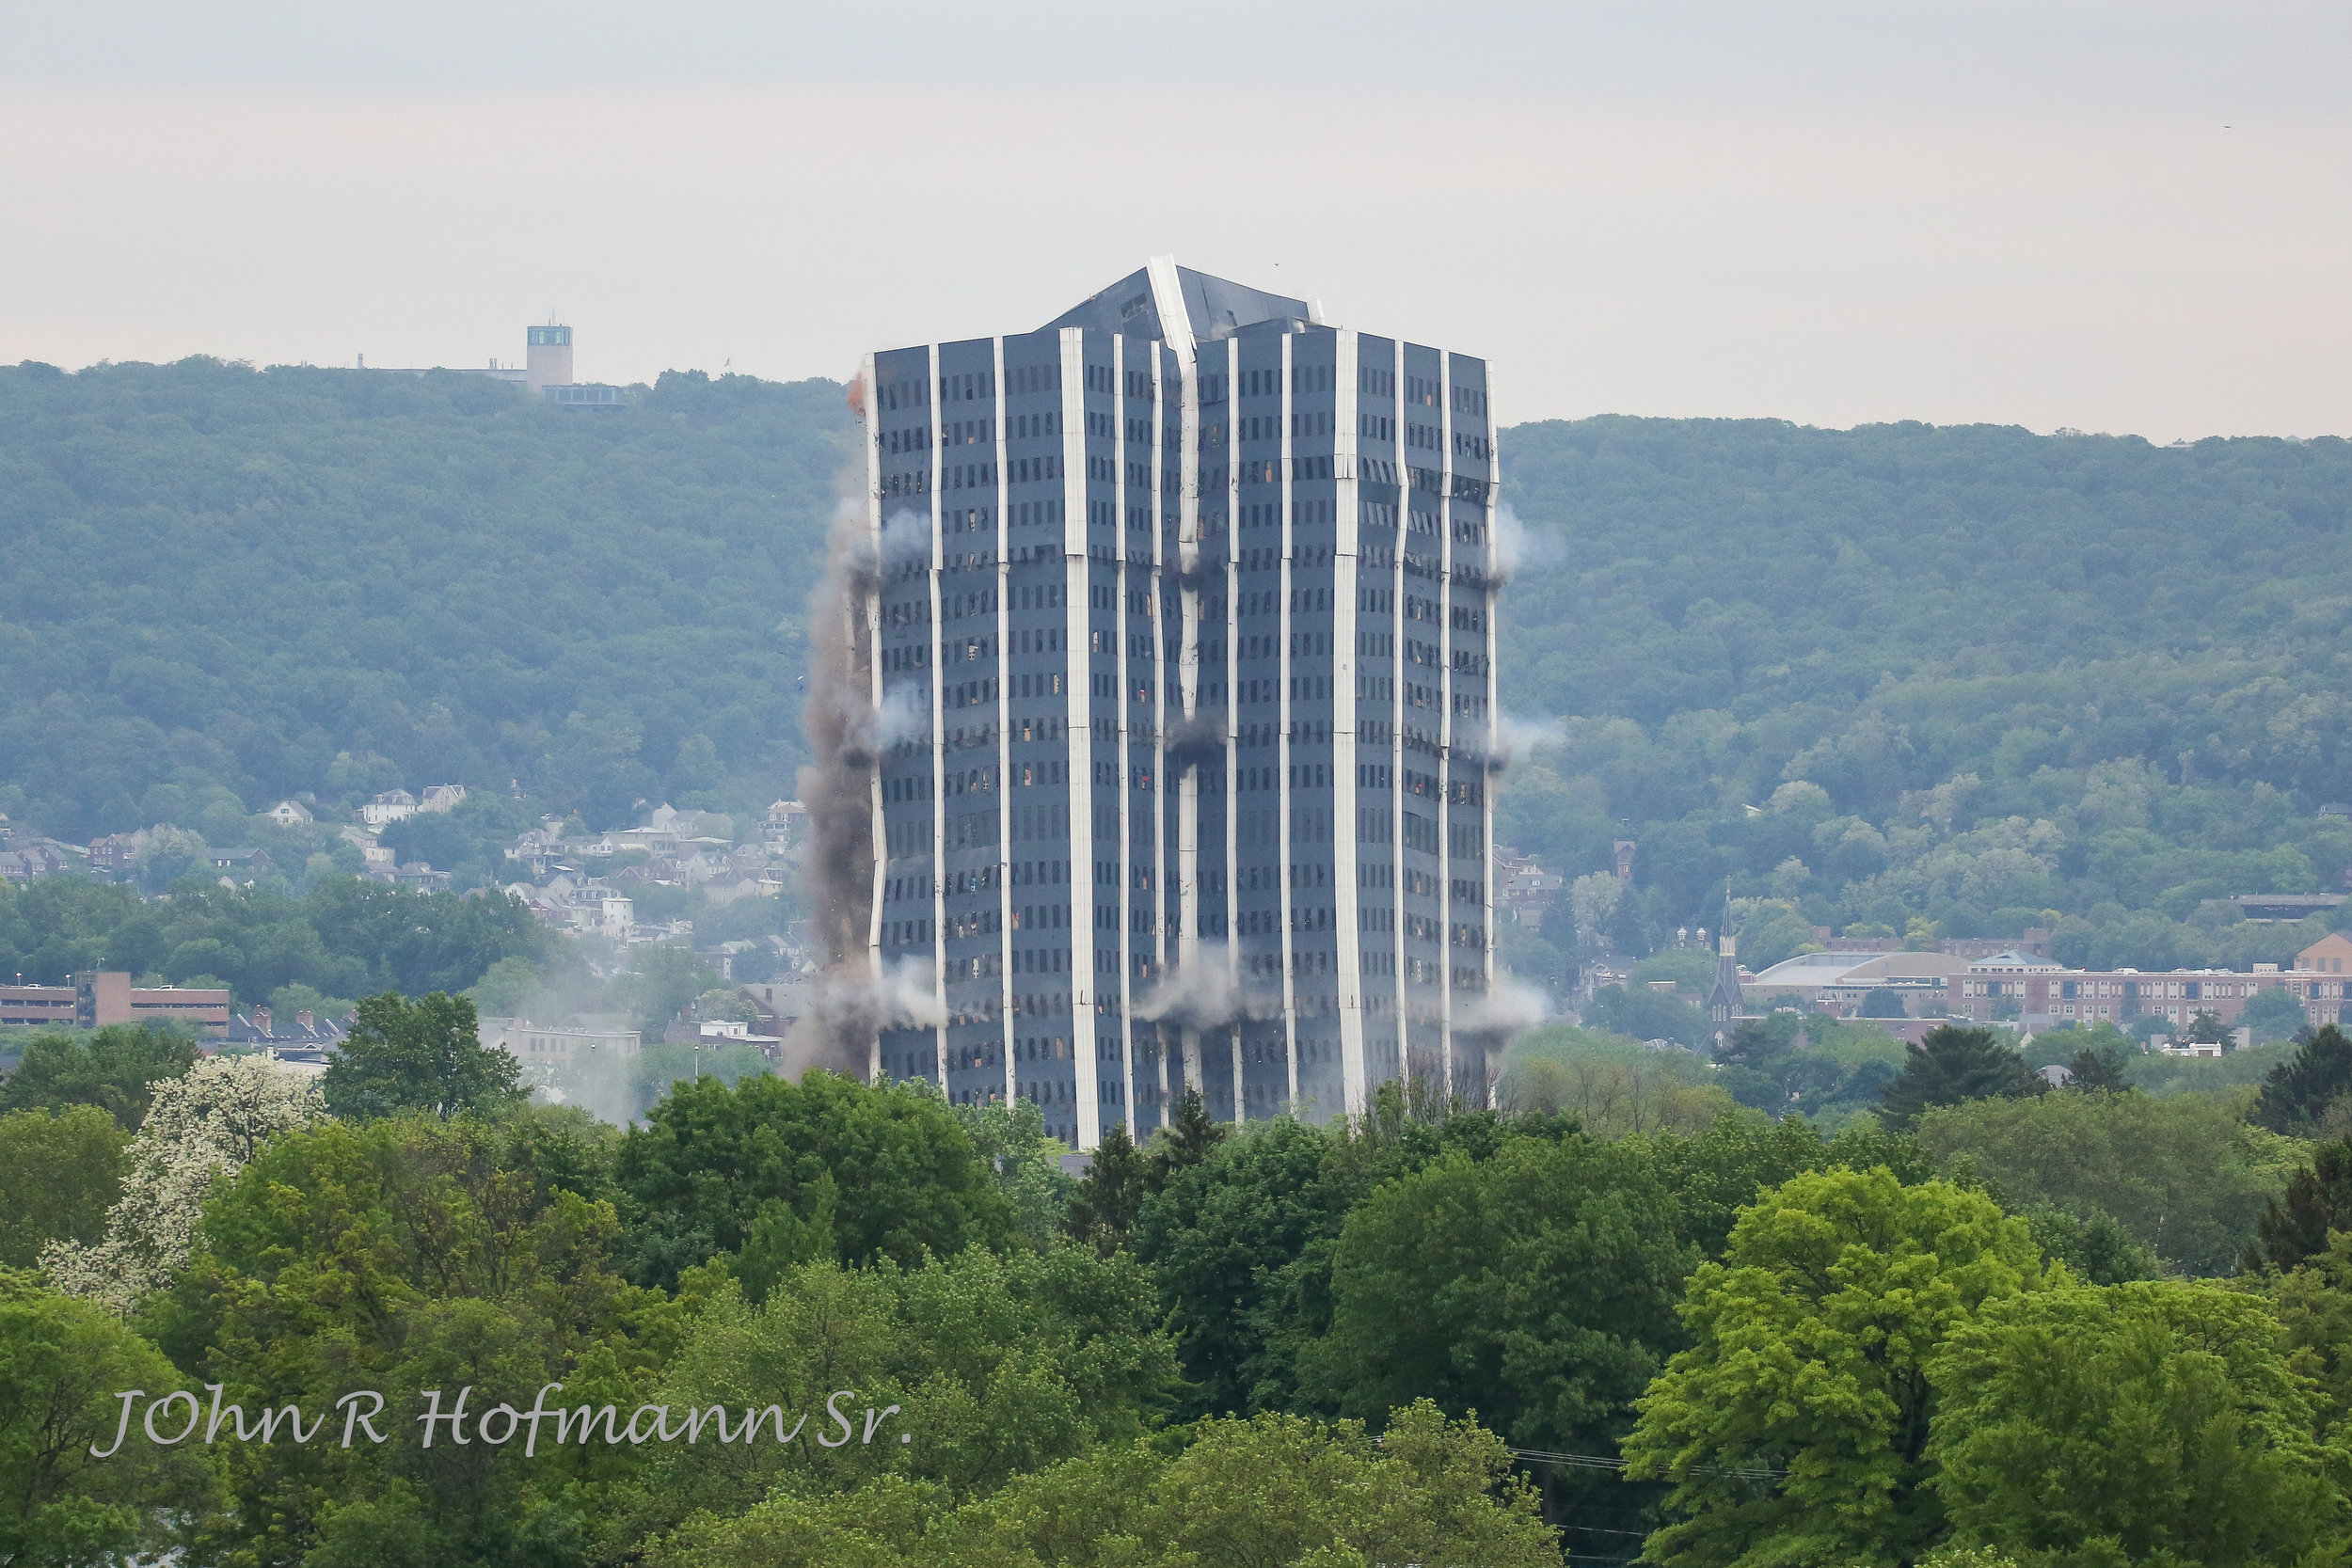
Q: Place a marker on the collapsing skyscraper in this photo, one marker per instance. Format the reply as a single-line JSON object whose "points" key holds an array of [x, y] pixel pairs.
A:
{"points": [[1183, 656]]}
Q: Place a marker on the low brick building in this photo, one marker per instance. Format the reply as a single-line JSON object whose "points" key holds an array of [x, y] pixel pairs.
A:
{"points": [[100, 997]]}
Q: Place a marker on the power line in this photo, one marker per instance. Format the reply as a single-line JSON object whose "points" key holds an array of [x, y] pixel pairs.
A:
{"points": [[1598, 1462]]}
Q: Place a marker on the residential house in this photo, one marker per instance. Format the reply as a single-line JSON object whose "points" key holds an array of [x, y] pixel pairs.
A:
{"points": [[441, 798], [785, 826], [393, 805], [28, 859], [305, 1031], [115, 851], [289, 813], [1523, 888]]}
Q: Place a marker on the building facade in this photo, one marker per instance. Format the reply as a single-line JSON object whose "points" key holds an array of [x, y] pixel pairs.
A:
{"points": [[1184, 658], [2041, 992], [98, 998]]}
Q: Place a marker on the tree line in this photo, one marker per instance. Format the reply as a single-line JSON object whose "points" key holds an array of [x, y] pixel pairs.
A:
{"points": [[1972, 1328]]}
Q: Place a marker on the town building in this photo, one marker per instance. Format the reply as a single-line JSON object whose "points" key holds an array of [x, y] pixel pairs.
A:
{"points": [[1183, 653], [98, 998], [557, 1045], [2036, 992], [1524, 890], [304, 1032], [546, 371]]}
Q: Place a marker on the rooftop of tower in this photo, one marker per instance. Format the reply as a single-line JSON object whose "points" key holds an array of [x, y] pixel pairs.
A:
{"points": [[1218, 308]]}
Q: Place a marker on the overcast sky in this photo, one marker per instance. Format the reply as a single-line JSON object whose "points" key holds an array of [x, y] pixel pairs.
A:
{"points": [[2120, 217]]}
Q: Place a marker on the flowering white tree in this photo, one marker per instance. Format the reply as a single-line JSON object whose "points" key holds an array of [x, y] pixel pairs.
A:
{"points": [[201, 1128]]}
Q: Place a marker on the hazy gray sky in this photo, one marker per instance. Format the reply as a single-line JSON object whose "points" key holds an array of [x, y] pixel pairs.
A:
{"points": [[2124, 217]]}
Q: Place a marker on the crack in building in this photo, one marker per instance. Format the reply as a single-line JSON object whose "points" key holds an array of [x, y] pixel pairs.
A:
{"points": [[1183, 667]]}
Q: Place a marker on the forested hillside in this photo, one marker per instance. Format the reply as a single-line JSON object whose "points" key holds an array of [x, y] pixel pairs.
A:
{"points": [[340, 581], [1967, 675]]}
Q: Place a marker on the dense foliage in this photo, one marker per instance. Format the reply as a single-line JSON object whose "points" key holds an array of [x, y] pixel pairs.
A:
{"points": [[1870, 1347], [1830, 1299], [298, 579], [1966, 675], [343, 938]]}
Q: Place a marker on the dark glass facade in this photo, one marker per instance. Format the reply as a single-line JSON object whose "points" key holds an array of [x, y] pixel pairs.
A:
{"points": [[1184, 659]]}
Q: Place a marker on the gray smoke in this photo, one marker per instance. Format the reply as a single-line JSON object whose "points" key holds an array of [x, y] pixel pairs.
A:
{"points": [[1206, 993], [1197, 740], [838, 720]]}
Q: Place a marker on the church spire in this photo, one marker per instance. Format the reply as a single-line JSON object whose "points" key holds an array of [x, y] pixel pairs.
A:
{"points": [[1725, 1001]]}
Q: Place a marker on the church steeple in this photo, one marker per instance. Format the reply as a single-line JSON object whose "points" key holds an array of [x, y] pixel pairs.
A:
{"points": [[1725, 1001]]}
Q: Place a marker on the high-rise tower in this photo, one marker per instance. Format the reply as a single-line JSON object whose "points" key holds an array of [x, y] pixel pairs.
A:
{"points": [[1185, 661]]}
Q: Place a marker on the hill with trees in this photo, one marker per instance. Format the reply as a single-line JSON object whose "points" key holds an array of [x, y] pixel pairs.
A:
{"points": [[1970, 675], [336, 582]]}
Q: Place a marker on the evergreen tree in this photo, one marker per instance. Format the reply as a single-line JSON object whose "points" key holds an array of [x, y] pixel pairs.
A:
{"points": [[1186, 1141], [2295, 1228], [1951, 1065], [1103, 1207], [2099, 1072], [2298, 1091]]}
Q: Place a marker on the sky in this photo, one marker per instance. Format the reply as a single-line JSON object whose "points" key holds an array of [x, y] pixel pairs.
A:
{"points": [[2124, 217]]}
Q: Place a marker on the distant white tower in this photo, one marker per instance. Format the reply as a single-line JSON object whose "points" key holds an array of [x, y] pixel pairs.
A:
{"points": [[550, 357]]}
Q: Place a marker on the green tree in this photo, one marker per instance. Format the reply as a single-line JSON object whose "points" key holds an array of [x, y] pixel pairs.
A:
{"points": [[113, 1069], [2169, 1410], [2182, 1176], [894, 1162], [63, 1365], [1242, 1243], [2295, 1224], [2314, 1307], [1275, 1490], [2099, 1072], [1188, 1139], [1715, 1174], [423, 1055], [1536, 1287], [2207, 1025], [59, 1172], [1883, 1001], [1105, 1202], [2298, 1091], [400, 1254], [1950, 1065], [1795, 1428], [2091, 1244], [1000, 1363], [2273, 1013], [1023, 1162], [1640, 1013]]}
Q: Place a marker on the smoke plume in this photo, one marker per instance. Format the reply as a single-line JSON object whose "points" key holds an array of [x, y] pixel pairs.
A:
{"points": [[1508, 1009], [1206, 993], [1196, 739], [1518, 547], [839, 722]]}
